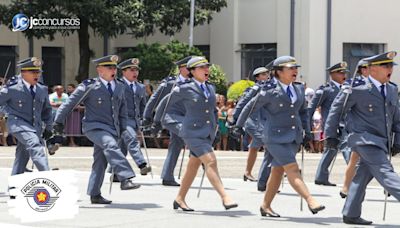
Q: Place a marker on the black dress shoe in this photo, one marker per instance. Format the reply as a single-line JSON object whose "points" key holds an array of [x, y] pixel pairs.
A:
{"points": [[342, 194], [317, 209], [28, 170], [177, 205], [12, 197], [170, 183], [265, 213], [145, 170], [356, 220], [251, 179], [99, 200], [230, 206], [127, 184], [324, 183], [261, 189], [115, 179]]}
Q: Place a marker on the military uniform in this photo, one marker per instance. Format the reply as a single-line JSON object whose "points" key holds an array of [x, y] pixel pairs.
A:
{"points": [[323, 98], [373, 108], [172, 121], [104, 121], [287, 118], [199, 124], [27, 107], [253, 124], [135, 102]]}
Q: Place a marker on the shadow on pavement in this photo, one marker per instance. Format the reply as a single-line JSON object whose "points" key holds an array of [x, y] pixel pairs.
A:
{"points": [[139, 206]]}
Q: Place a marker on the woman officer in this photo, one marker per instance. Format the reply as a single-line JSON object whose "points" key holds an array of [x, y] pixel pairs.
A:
{"points": [[198, 130], [285, 107]]}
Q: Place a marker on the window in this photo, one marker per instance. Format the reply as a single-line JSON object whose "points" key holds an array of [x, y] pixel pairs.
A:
{"points": [[256, 55], [353, 52], [205, 49], [8, 55], [53, 66]]}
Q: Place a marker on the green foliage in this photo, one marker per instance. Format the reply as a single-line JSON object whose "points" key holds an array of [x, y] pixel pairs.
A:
{"points": [[218, 77], [236, 89], [139, 18], [157, 60]]}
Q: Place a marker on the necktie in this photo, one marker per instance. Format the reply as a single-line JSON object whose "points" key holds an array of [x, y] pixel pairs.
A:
{"points": [[205, 90], [32, 91], [109, 88], [289, 93], [131, 85], [383, 91]]}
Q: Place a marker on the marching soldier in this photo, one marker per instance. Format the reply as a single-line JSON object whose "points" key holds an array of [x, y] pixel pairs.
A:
{"points": [[198, 129], [372, 109], [362, 74], [135, 102], [285, 107], [253, 125], [171, 122], [323, 98], [27, 104], [105, 120]]}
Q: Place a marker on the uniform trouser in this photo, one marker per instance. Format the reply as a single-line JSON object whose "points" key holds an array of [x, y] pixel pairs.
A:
{"points": [[265, 170], [130, 143], [106, 151], [174, 148], [29, 145], [374, 163], [327, 158]]}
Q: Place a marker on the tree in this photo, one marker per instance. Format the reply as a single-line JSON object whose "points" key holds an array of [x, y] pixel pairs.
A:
{"points": [[157, 60], [218, 77], [110, 18]]}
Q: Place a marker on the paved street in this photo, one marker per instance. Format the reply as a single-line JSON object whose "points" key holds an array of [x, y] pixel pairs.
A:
{"points": [[151, 205]]}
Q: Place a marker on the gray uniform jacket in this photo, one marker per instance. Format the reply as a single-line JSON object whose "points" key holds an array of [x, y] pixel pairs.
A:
{"points": [[200, 119], [323, 97], [140, 101], [373, 117], [135, 102], [286, 121], [101, 110], [25, 113], [163, 90]]}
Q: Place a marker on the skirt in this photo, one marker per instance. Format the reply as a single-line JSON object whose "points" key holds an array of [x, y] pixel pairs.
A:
{"points": [[199, 146], [283, 153]]}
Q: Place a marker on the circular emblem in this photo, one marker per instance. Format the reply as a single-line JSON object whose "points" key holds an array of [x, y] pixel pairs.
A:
{"points": [[20, 22], [114, 58], [41, 194]]}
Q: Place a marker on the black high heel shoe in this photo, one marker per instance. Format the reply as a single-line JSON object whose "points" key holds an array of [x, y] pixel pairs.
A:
{"points": [[245, 178], [317, 209], [230, 206], [264, 213], [342, 194], [177, 205]]}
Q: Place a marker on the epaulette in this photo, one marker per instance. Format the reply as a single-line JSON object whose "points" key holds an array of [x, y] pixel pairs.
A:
{"points": [[392, 83], [210, 83], [89, 81], [183, 82], [269, 85], [358, 82], [169, 78], [298, 83], [12, 81], [120, 80], [247, 89]]}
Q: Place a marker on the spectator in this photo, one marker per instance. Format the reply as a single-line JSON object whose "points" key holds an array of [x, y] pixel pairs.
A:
{"points": [[233, 144], [73, 122], [318, 131], [3, 127], [223, 130], [57, 98]]}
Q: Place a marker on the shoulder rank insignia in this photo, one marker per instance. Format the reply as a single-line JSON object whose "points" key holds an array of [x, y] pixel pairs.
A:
{"points": [[89, 81], [358, 82], [269, 85], [12, 81]]}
